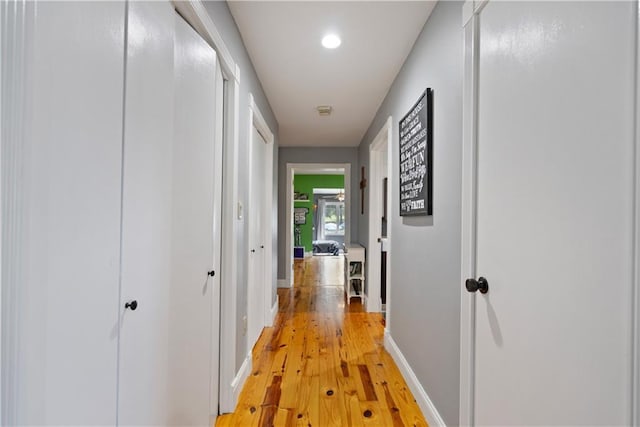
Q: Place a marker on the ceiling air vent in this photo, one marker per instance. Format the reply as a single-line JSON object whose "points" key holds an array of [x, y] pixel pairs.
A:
{"points": [[324, 110]]}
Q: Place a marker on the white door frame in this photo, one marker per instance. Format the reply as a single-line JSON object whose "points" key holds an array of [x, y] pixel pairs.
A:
{"points": [[214, 403], [11, 69], [261, 296], [382, 142], [230, 382], [2, 61], [16, 16], [469, 197], [470, 22], [635, 371], [298, 168]]}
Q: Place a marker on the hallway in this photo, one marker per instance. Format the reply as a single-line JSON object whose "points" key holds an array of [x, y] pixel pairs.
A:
{"points": [[160, 170], [323, 363]]}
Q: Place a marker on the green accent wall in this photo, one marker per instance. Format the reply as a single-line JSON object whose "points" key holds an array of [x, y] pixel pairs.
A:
{"points": [[305, 184]]}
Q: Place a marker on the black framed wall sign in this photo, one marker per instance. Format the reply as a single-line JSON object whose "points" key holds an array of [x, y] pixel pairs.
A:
{"points": [[416, 158]]}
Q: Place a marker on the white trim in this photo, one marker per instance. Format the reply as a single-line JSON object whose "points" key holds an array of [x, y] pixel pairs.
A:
{"points": [[274, 311], [390, 192], [230, 237], [238, 381], [17, 18], [469, 217], [471, 8], [3, 60], [194, 12], [479, 5], [282, 283], [467, 12], [257, 121], [218, 231], [429, 410], [376, 172], [293, 168], [288, 248], [635, 359]]}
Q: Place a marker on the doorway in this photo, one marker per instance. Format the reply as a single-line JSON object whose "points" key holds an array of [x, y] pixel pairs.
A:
{"points": [[294, 169], [379, 229]]}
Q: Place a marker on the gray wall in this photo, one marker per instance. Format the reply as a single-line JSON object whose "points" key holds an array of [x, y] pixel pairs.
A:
{"points": [[425, 253], [315, 155], [249, 83]]}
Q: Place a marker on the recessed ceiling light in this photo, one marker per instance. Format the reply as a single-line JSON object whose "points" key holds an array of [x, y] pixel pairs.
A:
{"points": [[331, 41]]}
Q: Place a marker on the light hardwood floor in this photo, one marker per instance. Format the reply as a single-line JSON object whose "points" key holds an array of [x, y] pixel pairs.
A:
{"points": [[323, 363]]}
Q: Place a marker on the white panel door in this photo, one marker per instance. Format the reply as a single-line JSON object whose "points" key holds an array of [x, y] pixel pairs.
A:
{"points": [[554, 213], [147, 215], [256, 216], [194, 303], [66, 304]]}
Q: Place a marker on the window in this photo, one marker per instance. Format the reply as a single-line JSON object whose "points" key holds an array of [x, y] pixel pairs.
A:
{"points": [[333, 219]]}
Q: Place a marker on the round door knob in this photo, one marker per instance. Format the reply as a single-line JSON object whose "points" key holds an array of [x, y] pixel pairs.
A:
{"points": [[211, 273], [481, 285], [253, 251], [131, 305]]}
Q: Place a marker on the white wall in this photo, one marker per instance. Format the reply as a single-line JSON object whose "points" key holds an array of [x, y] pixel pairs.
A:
{"points": [[249, 83], [425, 252]]}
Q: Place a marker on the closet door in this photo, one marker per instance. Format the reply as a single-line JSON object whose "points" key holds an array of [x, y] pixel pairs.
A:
{"points": [[555, 191], [256, 217], [146, 215], [194, 304], [61, 220]]}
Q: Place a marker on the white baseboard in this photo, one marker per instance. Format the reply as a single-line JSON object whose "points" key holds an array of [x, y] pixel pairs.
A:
{"points": [[241, 377], [283, 283], [422, 398], [274, 310]]}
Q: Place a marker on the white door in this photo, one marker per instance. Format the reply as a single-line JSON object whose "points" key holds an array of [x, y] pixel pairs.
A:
{"points": [[194, 296], [61, 213], [555, 202], [377, 257], [147, 215], [257, 243]]}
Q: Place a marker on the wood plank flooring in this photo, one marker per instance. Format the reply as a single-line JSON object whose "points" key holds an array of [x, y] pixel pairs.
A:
{"points": [[323, 363]]}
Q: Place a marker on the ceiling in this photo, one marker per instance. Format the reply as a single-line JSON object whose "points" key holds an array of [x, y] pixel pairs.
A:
{"points": [[298, 74]]}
